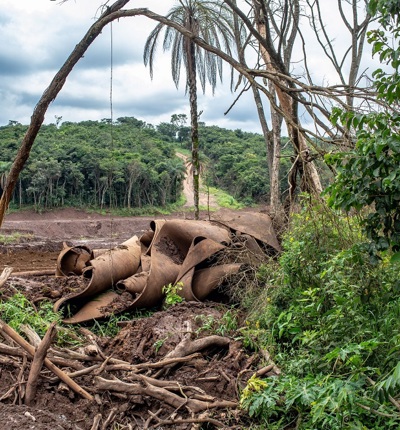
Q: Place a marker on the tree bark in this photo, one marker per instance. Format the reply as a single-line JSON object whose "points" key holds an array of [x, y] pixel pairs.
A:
{"points": [[192, 84], [310, 181]]}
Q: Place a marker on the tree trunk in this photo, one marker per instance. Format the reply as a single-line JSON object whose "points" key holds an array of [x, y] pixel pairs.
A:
{"points": [[191, 81], [48, 96], [310, 181], [275, 200]]}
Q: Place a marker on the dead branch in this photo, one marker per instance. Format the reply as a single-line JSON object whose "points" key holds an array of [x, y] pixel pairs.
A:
{"points": [[5, 328], [33, 337], [5, 275], [199, 420], [109, 419], [187, 346], [96, 422], [268, 359], [42, 272], [20, 379], [10, 350], [264, 370], [37, 363], [10, 362], [161, 394]]}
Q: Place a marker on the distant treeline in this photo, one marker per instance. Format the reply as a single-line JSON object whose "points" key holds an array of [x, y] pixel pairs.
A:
{"points": [[128, 163]]}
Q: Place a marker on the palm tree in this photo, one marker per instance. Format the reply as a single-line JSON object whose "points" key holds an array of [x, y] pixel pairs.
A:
{"points": [[210, 21]]}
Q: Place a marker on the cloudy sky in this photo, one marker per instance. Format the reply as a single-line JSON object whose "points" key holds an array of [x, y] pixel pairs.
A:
{"points": [[38, 35]]}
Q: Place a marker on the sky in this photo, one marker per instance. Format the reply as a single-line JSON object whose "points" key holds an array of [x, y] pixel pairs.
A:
{"points": [[37, 36]]}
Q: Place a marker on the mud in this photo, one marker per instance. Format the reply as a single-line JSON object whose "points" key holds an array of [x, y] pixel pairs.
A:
{"points": [[217, 372]]}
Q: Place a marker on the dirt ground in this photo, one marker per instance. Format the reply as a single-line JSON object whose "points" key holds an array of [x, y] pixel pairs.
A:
{"points": [[44, 234], [173, 369]]}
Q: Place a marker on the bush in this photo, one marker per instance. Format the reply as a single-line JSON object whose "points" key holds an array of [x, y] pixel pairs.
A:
{"points": [[333, 321]]}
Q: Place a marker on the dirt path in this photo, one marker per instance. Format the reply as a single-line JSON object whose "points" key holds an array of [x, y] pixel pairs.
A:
{"points": [[205, 200]]}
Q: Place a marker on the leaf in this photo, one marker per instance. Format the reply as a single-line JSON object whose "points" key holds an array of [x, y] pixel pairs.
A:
{"points": [[395, 257]]}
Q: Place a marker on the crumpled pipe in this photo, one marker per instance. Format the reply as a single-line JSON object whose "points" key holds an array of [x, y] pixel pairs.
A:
{"points": [[72, 260], [104, 272], [204, 281], [256, 224], [171, 251]]}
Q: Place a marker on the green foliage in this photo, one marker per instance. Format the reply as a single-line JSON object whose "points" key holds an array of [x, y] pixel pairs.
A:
{"points": [[330, 318], [90, 164], [111, 326], [17, 310], [172, 296], [224, 326], [369, 175], [136, 172], [159, 343], [238, 162]]}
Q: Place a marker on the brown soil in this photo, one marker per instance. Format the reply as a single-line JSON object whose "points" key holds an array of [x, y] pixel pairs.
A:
{"points": [[43, 234], [215, 374]]}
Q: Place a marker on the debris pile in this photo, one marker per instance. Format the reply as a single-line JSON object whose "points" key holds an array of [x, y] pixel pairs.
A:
{"points": [[187, 253], [183, 367]]}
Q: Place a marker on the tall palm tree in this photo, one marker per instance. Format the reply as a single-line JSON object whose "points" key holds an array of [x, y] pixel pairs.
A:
{"points": [[209, 20]]}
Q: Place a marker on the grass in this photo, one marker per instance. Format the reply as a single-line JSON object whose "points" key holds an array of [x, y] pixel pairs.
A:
{"points": [[15, 237], [17, 310], [224, 199]]}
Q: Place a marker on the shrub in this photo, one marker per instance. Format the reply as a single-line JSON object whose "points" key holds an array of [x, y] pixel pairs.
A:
{"points": [[333, 321]]}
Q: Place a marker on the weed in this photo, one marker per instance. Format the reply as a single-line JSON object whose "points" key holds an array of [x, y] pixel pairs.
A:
{"points": [[159, 343], [172, 296], [18, 310], [228, 323], [207, 323], [331, 317]]}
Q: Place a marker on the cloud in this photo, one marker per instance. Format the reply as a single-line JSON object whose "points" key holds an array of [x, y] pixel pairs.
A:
{"points": [[38, 36], [41, 35]]}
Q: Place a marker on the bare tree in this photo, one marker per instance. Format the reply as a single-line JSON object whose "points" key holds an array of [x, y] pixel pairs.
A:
{"points": [[291, 91], [357, 30]]}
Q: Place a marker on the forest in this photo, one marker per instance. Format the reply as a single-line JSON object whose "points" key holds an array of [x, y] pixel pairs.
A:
{"points": [[130, 164], [325, 312]]}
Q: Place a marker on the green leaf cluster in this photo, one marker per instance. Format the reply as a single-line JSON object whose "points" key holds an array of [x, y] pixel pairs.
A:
{"points": [[332, 322], [369, 175]]}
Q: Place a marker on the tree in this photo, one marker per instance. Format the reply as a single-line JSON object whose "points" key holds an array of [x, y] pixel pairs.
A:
{"points": [[207, 20], [369, 175], [284, 20], [293, 91], [357, 30]]}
